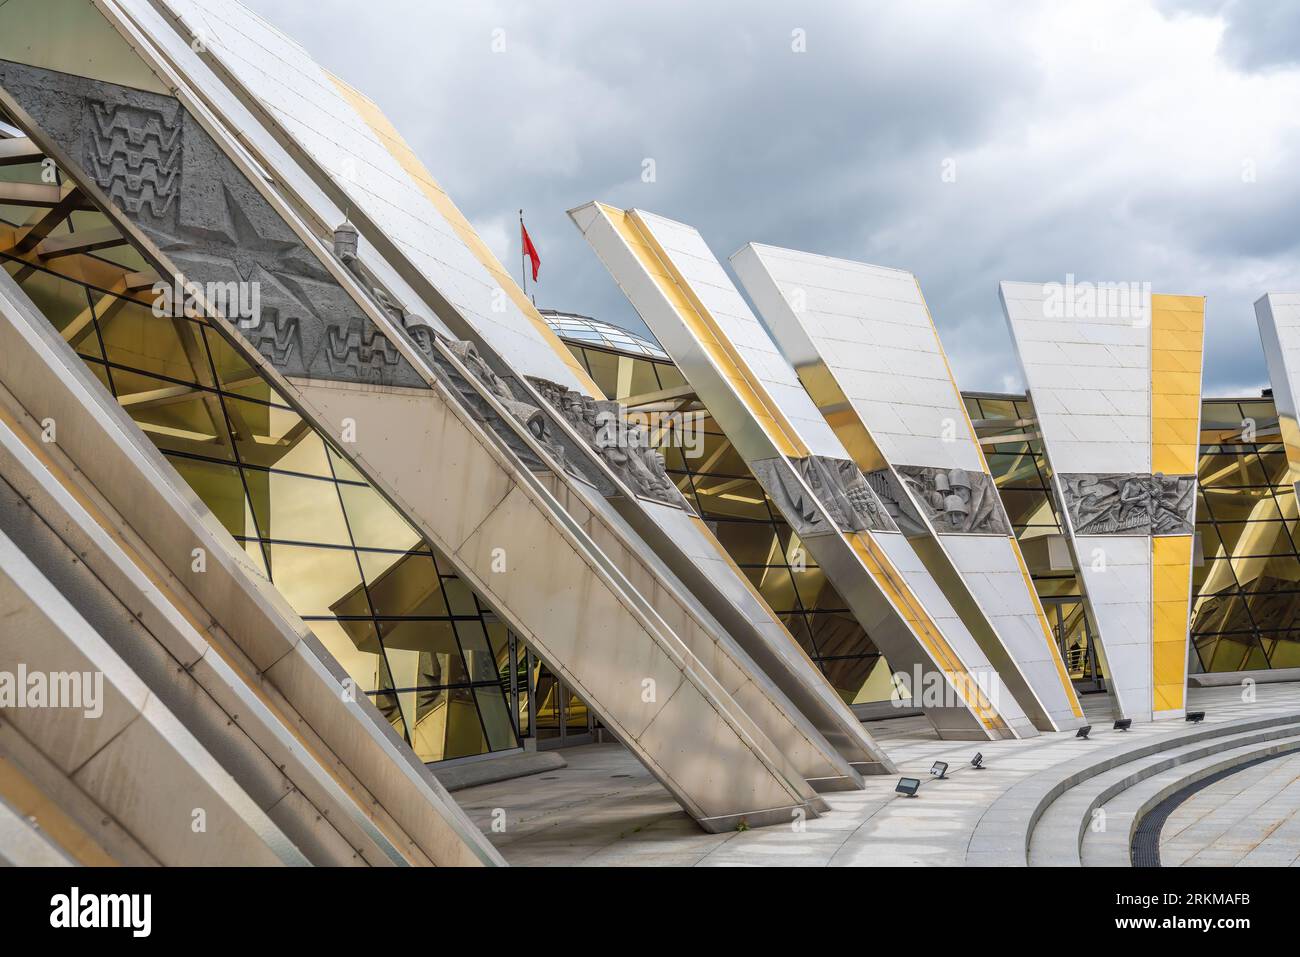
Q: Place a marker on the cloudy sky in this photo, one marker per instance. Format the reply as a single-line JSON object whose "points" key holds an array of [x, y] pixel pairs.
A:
{"points": [[1121, 140]]}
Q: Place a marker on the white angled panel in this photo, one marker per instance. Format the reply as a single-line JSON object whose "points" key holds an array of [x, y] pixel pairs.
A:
{"points": [[871, 328], [310, 108], [716, 292], [1088, 369]]}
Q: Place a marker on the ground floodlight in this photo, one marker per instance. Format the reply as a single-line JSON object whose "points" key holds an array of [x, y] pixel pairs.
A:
{"points": [[1123, 724], [939, 769], [908, 786], [1084, 732], [1195, 717], [977, 762]]}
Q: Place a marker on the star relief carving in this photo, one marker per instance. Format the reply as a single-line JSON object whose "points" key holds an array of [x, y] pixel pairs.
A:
{"points": [[240, 246]]}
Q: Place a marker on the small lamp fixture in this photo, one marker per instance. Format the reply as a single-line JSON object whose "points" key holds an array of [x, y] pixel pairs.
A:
{"points": [[1123, 724], [977, 762], [1195, 717], [939, 769], [908, 786], [1084, 732]]}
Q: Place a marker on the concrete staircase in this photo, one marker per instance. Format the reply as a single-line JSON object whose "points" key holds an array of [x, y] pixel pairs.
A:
{"points": [[1084, 812]]}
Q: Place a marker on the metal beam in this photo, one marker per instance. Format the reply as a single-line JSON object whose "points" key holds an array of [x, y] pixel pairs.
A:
{"points": [[19, 150], [35, 194], [31, 237]]}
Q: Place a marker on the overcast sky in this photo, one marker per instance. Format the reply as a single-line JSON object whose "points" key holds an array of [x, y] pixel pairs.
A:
{"points": [[1122, 140]]}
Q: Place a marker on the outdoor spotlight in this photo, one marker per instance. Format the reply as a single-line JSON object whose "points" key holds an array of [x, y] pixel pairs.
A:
{"points": [[977, 762], [1123, 724], [1084, 732], [1196, 717], [939, 769], [908, 786]]}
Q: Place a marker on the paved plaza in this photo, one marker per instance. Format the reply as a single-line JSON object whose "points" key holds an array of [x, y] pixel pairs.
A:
{"points": [[604, 809]]}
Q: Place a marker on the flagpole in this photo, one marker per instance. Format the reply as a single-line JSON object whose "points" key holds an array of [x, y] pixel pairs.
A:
{"points": [[523, 273]]}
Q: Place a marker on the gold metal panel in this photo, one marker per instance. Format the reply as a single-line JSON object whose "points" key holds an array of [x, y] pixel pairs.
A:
{"points": [[1171, 586], [718, 347], [405, 156], [1177, 337]]}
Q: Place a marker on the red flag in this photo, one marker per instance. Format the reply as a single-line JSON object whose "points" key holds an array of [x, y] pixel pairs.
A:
{"points": [[529, 249]]}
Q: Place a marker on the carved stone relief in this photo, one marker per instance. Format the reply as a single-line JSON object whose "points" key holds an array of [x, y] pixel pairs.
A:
{"points": [[1112, 503], [791, 497], [956, 501], [159, 166], [843, 491], [624, 447], [896, 501]]}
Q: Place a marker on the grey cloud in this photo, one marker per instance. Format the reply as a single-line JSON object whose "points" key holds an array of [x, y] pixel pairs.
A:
{"points": [[1258, 34], [837, 150]]}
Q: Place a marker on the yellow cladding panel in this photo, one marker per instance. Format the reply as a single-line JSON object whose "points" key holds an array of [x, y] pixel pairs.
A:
{"points": [[1171, 583], [704, 328], [884, 574], [1177, 340], [402, 152]]}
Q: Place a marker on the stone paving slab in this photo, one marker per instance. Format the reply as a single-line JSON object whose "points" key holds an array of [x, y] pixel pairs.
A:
{"points": [[604, 809], [1250, 819]]}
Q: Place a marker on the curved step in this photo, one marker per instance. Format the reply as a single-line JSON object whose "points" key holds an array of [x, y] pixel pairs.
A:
{"points": [[1002, 836], [1065, 824], [1125, 813]]}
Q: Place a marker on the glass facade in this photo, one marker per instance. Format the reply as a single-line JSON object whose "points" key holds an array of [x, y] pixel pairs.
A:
{"points": [[411, 634], [1246, 605], [718, 484], [1246, 613]]}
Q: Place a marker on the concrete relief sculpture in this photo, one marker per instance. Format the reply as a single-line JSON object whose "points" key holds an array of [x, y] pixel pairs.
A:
{"points": [[164, 172], [627, 449], [1130, 504], [957, 501], [843, 491], [898, 504], [791, 497]]}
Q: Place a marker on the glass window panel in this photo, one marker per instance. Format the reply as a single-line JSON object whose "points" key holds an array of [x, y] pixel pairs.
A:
{"points": [[480, 662], [424, 653], [731, 498], [355, 646], [446, 725], [297, 509], [1029, 507], [234, 373], [839, 635], [403, 585], [272, 437], [576, 716], [669, 377], [177, 418], [1229, 470], [748, 543], [1267, 574], [375, 523], [776, 586], [460, 598], [496, 718], [61, 302], [1220, 613], [317, 581], [222, 491], [1241, 505], [169, 348]]}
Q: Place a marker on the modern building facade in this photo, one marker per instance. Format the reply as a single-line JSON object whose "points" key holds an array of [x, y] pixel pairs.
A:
{"points": [[290, 463]]}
